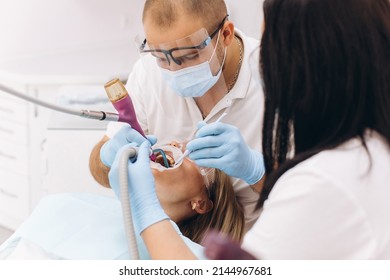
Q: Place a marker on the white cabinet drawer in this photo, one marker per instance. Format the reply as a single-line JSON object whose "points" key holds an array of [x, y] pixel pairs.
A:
{"points": [[14, 194], [13, 157], [13, 109], [12, 184], [13, 132]]}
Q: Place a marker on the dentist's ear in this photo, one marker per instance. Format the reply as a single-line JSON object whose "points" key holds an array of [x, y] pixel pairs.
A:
{"points": [[228, 33], [201, 206]]}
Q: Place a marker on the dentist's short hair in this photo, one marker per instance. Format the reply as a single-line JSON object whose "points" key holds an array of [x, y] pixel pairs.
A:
{"points": [[166, 12]]}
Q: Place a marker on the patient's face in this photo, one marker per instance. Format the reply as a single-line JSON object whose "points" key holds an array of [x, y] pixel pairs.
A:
{"points": [[180, 185]]}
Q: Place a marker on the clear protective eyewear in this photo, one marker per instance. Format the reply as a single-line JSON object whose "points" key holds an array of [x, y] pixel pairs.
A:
{"points": [[185, 52]]}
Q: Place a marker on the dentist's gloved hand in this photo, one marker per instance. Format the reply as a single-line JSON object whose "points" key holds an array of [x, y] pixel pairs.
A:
{"points": [[221, 146], [123, 137], [145, 206]]}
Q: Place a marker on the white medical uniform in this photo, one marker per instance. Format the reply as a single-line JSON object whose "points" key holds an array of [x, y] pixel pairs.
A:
{"points": [[77, 226], [161, 112], [334, 205]]}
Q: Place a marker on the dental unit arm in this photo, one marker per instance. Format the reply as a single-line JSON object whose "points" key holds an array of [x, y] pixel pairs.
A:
{"points": [[89, 114]]}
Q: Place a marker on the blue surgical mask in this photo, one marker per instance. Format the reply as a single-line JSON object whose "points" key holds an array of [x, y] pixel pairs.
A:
{"points": [[193, 81]]}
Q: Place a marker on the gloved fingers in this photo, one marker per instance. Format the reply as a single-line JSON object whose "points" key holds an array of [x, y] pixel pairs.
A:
{"points": [[143, 154], [215, 152], [152, 139], [119, 153], [201, 124], [205, 142], [110, 148], [210, 163], [214, 129], [121, 134], [134, 136]]}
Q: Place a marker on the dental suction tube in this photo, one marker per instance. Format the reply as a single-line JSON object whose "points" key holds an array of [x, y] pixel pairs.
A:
{"points": [[130, 153], [89, 114]]}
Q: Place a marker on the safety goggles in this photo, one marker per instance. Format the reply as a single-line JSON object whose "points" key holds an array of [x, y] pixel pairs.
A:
{"points": [[189, 51]]}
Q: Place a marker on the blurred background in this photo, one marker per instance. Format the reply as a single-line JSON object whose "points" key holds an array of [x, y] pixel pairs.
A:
{"points": [[63, 51]]}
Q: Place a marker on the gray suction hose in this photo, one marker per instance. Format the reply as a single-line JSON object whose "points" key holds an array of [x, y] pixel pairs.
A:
{"points": [[125, 201]]}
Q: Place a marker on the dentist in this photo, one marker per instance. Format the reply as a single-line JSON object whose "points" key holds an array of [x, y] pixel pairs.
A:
{"points": [[195, 66], [326, 139]]}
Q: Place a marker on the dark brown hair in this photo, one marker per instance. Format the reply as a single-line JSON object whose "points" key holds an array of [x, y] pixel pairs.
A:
{"points": [[326, 71]]}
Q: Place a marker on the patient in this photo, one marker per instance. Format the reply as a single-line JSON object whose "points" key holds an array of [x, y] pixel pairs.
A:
{"points": [[89, 226], [198, 202]]}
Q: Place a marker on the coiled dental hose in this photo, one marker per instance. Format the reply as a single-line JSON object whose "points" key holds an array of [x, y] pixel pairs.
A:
{"points": [[127, 154]]}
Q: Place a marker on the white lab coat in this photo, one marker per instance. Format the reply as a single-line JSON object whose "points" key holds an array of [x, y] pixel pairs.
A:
{"points": [[334, 205]]}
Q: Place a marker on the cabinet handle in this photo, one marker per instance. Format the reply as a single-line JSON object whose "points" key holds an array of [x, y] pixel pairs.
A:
{"points": [[7, 156], [6, 130], [8, 193], [7, 110]]}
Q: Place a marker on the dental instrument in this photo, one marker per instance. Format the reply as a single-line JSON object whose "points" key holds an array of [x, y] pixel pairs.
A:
{"points": [[122, 102], [120, 99], [187, 152]]}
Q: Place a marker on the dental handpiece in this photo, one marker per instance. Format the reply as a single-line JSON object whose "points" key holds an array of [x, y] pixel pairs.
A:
{"points": [[120, 99], [122, 102]]}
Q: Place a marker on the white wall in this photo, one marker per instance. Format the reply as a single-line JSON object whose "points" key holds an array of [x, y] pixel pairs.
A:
{"points": [[247, 15], [31, 26], [35, 26]]}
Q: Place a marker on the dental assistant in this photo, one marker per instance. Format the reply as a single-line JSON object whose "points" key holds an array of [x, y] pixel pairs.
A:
{"points": [[326, 138], [195, 65]]}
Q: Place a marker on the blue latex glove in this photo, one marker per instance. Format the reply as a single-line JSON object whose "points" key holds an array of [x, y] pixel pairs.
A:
{"points": [[145, 206], [124, 136], [221, 146]]}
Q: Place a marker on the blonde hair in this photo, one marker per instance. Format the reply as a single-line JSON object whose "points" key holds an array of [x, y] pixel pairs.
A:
{"points": [[227, 215]]}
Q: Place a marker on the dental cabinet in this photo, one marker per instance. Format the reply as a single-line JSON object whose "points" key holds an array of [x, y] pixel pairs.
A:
{"points": [[28, 135]]}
